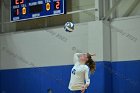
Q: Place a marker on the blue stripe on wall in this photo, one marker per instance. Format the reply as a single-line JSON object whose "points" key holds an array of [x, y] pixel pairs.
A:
{"points": [[39, 80], [126, 77], [99, 79], [109, 77]]}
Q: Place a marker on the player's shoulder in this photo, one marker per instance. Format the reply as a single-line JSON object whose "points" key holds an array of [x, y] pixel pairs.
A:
{"points": [[85, 66]]}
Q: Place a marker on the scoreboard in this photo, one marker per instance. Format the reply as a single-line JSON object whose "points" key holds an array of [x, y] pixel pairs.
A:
{"points": [[31, 9]]}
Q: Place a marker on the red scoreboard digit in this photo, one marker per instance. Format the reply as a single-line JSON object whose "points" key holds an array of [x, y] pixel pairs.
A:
{"points": [[57, 6], [19, 2], [16, 12]]}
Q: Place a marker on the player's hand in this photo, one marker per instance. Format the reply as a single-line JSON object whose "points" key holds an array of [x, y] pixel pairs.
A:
{"points": [[83, 89], [94, 54]]}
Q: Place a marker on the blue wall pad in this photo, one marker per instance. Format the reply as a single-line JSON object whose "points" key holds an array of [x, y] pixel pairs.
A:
{"points": [[39, 80], [115, 77], [126, 77]]}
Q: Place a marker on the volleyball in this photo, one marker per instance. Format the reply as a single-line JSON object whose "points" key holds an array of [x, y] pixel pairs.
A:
{"points": [[69, 27]]}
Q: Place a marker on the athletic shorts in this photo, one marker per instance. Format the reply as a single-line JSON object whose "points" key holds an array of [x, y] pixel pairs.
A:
{"points": [[79, 91]]}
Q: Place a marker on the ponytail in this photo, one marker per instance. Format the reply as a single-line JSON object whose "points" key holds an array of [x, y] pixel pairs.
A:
{"points": [[90, 63]]}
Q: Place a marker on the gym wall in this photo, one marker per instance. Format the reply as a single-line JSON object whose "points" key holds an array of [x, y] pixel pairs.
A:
{"points": [[36, 61]]}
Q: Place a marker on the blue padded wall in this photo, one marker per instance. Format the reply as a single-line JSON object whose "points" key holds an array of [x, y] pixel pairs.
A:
{"points": [[126, 77], [116, 77], [39, 80]]}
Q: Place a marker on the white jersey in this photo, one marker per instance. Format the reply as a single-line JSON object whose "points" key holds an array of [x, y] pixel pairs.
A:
{"points": [[79, 74]]}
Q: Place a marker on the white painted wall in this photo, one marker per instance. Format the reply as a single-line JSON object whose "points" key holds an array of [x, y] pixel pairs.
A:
{"points": [[50, 47], [126, 39], [54, 46], [95, 39]]}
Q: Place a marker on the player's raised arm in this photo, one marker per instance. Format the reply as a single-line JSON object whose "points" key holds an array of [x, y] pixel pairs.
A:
{"points": [[76, 57]]}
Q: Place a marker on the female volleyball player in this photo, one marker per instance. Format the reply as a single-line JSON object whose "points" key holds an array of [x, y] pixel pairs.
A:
{"points": [[84, 65]]}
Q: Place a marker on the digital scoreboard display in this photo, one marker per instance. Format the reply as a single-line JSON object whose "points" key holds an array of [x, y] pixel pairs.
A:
{"points": [[31, 9]]}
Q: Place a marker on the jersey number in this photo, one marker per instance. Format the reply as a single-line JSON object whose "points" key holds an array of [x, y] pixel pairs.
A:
{"points": [[73, 71]]}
